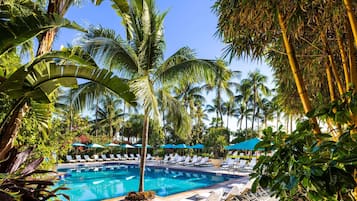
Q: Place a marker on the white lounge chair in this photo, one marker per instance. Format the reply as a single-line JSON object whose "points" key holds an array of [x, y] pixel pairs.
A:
{"points": [[104, 157], [127, 157], [187, 160], [132, 157], [70, 159], [120, 157], [112, 157], [230, 163], [79, 159], [88, 159], [96, 157], [204, 162], [251, 164]]}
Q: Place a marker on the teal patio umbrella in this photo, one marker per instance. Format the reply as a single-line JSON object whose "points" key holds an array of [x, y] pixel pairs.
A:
{"points": [[140, 146], [112, 145], [248, 145], [198, 146], [95, 146], [126, 147], [78, 144], [167, 146]]}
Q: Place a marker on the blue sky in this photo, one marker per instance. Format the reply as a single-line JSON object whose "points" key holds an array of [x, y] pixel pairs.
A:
{"points": [[189, 23]]}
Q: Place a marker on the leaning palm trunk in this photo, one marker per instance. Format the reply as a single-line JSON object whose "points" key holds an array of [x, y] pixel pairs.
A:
{"points": [[296, 73], [143, 151]]}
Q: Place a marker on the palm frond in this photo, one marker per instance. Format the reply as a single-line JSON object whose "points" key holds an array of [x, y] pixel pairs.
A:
{"points": [[191, 71], [143, 89], [112, 51]]}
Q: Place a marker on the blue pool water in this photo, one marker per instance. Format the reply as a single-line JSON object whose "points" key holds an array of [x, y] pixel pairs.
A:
{"points": [[92, 184]]}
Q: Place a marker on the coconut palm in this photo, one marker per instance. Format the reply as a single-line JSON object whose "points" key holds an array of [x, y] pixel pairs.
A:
{"points": [[222, 85], [140, 57], [258, 88]]}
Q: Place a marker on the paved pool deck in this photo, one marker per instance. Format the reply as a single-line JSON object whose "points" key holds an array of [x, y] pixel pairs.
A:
{"points": [[176, 197]]}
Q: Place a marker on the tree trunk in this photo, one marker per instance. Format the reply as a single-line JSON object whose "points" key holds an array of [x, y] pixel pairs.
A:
{"points": [[144, 140], [351, 18], [330, 82], [344, 61], [296, 73], [11, 129], [333, 66]]}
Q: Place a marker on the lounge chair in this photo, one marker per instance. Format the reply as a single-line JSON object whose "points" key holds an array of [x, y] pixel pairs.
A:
{"points": [[120, 157], [127, 157], [138, 156], [230, 163], [237, 189], [79, 159], [70, 159], [112, 157], [194, 161], [132, 157], [96, 157], [215, 195], [104, 157], [149, 157], [88, 159], [187, 160], [251, 164], [166, 159], [204, 163]]}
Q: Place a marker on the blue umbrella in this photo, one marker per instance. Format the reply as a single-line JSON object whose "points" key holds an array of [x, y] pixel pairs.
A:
{"points": [[245, 145], [127, 146], [167, 146], [180, 146], [112, 145], [95, 146], [198, 146], [140, 146], [77, 144]]}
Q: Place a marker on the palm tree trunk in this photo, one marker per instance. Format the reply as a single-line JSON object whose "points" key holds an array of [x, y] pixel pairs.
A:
{"points": [[344, 60], [296, 73], [330, 83], [351, 18], [351, 58], [333, 66], [144, 140]]}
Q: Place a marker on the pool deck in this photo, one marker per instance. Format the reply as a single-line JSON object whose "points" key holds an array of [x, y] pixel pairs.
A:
{"points": [[176, 197]]}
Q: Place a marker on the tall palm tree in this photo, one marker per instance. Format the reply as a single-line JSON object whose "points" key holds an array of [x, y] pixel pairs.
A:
{"points": [[140, 57], [222, 85], [259, 88]]}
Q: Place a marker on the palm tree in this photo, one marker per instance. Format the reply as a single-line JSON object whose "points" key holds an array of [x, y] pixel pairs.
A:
{"points": [[259, 88], [140, 57], [222, 84]]}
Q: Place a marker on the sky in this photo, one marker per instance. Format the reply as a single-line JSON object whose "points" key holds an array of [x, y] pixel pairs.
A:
{"points": [[189, 23]]}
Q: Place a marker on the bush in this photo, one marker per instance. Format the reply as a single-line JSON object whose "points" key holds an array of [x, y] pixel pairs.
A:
{"points": [[307, 166]]}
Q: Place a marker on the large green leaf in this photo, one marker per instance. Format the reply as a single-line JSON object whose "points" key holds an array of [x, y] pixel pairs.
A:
{"points": [[15, 30], [46, 79]]}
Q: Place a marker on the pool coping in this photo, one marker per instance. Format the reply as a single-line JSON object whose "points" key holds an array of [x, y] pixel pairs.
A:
{"points": [[242, 177]]}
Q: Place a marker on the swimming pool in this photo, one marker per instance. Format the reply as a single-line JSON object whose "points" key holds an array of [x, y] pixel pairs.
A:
{"points": [[97, 183]]}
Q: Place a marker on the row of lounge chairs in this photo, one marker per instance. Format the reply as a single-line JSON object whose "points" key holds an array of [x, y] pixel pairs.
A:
{"points": [[187, 160], [103, 157], [238, 164]]}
